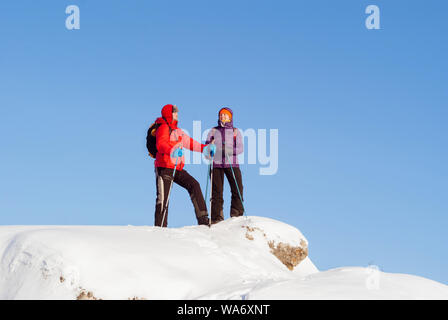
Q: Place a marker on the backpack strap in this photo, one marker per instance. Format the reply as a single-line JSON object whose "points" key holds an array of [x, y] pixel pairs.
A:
{"points": [[166, 121]]}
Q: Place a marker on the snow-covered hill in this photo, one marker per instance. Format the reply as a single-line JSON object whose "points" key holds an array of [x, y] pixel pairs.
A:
{"points": [[240, 258]]}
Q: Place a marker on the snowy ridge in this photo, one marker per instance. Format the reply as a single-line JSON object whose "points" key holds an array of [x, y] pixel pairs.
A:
{"points": [[232, 260]]}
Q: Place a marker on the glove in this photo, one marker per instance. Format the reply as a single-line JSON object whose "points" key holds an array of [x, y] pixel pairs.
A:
{"points": [[209, 151], [178, 152]]}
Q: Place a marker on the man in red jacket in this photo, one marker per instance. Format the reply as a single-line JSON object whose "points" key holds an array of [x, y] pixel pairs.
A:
{"points": [[170, 141]]}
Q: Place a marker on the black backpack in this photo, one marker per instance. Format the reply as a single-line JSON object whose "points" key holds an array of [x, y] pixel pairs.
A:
{"points": [[151, 138]]}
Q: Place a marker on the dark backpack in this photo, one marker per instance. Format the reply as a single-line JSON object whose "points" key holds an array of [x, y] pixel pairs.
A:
{"points": [[151, 138]]}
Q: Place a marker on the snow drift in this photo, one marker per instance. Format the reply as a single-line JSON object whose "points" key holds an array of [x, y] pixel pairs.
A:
{"points": [[240, 258]]}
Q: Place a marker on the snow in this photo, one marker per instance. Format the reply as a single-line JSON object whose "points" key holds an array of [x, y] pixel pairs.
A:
{"points": [[230, 260]]}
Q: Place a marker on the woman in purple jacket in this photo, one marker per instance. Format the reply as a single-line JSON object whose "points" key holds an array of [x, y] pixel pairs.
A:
{"points": [[229, 144]]}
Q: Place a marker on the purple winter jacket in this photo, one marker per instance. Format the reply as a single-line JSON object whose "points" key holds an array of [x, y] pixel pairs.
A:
{"points": [[227, 139]]}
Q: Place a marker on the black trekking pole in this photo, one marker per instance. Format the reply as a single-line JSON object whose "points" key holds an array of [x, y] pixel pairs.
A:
{"points": [[169, 192], [211, 189], [210, 172], [236, 182]]}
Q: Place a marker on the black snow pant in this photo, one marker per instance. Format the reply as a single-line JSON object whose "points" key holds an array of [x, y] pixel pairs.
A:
{"points": [[236, 207], [164, 176]]}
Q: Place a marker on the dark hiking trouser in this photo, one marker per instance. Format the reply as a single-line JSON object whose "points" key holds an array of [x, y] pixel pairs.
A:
{"points": [[164, 176], [236, 207]]}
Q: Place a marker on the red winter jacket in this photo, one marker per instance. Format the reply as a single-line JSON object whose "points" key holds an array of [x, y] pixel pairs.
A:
{"points": [[167, 143]]}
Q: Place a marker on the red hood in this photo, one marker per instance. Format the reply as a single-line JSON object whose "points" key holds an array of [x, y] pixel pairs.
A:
{"points": [[167, 114]]}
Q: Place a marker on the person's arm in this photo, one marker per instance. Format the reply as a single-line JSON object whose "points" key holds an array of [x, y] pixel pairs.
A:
{"points": [[163, 142], [239, 146], [210, 136], [192, 144]]}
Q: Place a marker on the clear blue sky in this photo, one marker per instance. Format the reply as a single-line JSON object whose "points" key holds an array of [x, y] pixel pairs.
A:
{"points": [[361, 116]]}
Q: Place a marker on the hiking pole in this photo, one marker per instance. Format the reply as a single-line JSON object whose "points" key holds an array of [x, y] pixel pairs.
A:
{"points": [[206, 185], [209, 173], [211, 188], [169, 192], [236, 182]]}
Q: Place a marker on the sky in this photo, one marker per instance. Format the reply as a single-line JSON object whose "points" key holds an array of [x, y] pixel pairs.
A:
{"points": [[361, 117]]}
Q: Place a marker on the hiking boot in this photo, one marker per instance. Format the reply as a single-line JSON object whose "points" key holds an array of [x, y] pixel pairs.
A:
{"points": [[217, 220], [203, 220], [235, 213], [217, 217]]}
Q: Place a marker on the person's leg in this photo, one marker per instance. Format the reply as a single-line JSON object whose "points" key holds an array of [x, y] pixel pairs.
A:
{"points": [[186, 181], [236, 207], [217, 200], [163, 183]]}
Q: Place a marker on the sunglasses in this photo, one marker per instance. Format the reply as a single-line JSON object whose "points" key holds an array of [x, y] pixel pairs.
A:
{"points": [[175, 109]]}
